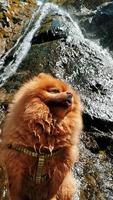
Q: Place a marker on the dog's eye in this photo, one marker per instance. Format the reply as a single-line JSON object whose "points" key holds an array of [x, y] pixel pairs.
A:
{"points": [[53, 90]]}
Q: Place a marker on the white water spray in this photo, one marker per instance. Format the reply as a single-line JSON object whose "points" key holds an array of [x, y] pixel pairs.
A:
{"points": [[24, 47]]}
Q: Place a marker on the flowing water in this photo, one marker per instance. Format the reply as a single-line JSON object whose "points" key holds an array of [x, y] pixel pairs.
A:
{"points": [[24, 43], [11, 61]]}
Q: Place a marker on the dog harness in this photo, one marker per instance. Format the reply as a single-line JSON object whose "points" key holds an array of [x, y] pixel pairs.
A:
{"points": [[42, 156]]}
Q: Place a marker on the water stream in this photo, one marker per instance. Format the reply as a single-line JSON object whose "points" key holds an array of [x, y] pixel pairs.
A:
{"points": [[23, 44], [11, 61]]}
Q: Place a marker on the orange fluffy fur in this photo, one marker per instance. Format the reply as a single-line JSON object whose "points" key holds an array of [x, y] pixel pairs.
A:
{"points": [[45, 114]]}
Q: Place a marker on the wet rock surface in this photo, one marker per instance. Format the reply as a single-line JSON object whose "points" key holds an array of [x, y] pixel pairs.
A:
{"points": [[80, 3], [82, 62], [95, 175], [102, 22], [60, 48], [99, 24], [104, 13]]}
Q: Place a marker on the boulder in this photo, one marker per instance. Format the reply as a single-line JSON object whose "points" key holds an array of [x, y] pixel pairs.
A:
{"points": [[98, 24]]}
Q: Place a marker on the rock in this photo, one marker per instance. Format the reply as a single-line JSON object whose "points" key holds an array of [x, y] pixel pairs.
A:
{"points": [[14, 16], [103, 14], [50, 30], [92, 69], [81, 62], [5, 99], [94, 171], [99, 24], [102, 23], [91, 4]]}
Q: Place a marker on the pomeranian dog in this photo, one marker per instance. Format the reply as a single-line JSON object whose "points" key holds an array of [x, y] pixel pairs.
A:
{"points": [[40, 140]]}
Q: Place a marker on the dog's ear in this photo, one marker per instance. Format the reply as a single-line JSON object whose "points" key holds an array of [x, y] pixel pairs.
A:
{"points": [[41, 75]]}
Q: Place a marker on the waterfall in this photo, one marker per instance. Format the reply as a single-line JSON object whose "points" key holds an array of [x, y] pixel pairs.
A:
{"points": [[75, 36], [24, 46]]}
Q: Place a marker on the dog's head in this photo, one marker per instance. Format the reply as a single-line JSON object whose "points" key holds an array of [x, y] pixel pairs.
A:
{"points": [[55, 93]]}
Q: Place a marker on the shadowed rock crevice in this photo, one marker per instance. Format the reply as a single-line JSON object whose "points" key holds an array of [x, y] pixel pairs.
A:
{"points": [[99, 124], [98, 135], [97, 142], [47, 37]]}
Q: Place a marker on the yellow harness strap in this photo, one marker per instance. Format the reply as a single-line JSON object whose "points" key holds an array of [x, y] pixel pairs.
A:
{"points": [[39, 171], [40, 156]]}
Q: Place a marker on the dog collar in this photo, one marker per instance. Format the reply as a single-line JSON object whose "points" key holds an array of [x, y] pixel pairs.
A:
{"points": [[42, 156]]}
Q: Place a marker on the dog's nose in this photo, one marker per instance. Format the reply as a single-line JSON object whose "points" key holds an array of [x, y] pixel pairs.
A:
{"points": [[69, 97]]}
